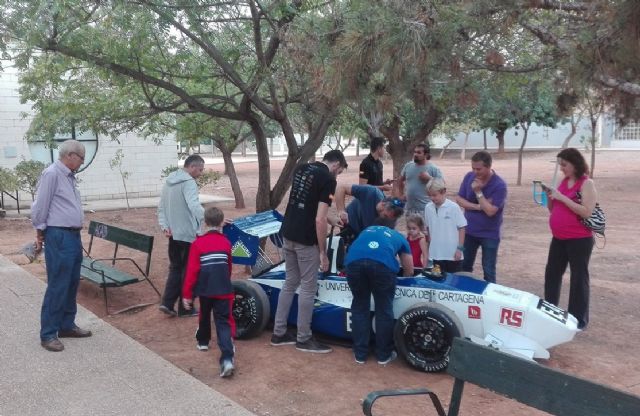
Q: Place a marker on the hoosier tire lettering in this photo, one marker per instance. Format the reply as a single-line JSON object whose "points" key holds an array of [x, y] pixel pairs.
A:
{"points": [[423, 336]]}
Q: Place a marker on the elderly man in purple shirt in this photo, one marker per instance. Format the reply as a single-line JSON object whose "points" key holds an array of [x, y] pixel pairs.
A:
{"points": [[57, 217]]}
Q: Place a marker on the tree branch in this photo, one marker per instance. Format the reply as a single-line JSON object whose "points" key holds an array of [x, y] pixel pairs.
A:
{"points": [[215, 54], [559, 5], [473, 65], [620, 85], [142, 77]]}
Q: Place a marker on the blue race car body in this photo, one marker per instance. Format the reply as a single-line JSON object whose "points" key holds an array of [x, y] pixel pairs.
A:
{"points": [[430, 311]]}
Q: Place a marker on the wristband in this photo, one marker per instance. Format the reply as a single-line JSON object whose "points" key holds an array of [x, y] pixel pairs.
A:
{"points": [[461, 248], [479, 195]]}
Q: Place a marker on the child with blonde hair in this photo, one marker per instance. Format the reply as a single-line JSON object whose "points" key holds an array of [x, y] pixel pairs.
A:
{"points": [[417, 240], [446, 225]]}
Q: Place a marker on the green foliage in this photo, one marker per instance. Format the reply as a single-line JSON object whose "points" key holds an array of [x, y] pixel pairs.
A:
{"points": [[168, 170], [28, 173], [207, 177], [510, 100], [116, 164], [403, 66], [8, 181]]}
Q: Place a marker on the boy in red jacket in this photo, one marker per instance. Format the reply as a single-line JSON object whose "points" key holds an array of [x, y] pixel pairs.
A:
{"points": [[209, 277]]}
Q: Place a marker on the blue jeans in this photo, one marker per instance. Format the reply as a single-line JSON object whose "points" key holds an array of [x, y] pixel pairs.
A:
{"points": [[63, 256], [367, 277], [225, 325], [489, 255]]}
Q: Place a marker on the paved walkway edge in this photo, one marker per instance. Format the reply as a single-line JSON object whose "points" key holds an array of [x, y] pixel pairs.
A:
{"points": [[107, 374]]}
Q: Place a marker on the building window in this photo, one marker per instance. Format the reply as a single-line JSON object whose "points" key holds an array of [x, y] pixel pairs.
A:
{"points": [[629, 132], [44, 152]]}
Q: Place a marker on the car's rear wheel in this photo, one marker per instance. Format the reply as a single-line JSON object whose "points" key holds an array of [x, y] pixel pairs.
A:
{"points": [[423, 335], [250, 309]]}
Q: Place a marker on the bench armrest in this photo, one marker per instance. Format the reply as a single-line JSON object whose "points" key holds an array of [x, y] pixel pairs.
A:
{"points": [[367, 405]]}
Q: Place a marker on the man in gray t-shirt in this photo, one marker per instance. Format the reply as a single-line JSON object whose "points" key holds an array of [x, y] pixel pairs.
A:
{"points": [[414, 178]]}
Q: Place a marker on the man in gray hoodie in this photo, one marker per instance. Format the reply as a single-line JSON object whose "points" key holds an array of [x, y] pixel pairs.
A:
{"points": [[180, 215]]}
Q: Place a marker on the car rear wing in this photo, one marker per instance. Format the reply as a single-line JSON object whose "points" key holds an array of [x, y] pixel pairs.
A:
{"points": [[245, 234]]}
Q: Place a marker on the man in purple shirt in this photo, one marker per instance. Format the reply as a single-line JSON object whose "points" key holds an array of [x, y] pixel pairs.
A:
{"points": [[482, 195], [57, 217]]}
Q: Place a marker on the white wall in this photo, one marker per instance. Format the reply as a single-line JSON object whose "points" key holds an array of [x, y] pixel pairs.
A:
{"points": [[142, 158], [12, 126], [538, 137]]}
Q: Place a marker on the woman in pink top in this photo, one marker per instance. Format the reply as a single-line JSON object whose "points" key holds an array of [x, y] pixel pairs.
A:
{"points": [[572, 242]]}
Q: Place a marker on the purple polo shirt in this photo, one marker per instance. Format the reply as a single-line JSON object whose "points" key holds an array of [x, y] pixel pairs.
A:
{"points": [[57, 201], [479, 224]]}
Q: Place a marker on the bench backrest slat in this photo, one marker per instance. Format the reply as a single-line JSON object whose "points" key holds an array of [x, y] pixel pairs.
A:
{"points": [[536, 385], [121, 236]]}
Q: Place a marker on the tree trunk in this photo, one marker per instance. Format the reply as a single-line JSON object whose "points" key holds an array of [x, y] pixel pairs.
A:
{"points": [[500, 137], [397, 148], [594, 124], [233, 177], [463, 153], [296, 156], [264, 165], [229, 168], [358, 147], [446, 146], [484, 138], [244, 148], [574, 129], [401, 150], [525, 127]]}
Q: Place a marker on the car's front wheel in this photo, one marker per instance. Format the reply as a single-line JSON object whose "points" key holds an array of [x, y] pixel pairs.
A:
{"points": [[423, 336], [250, 309]]}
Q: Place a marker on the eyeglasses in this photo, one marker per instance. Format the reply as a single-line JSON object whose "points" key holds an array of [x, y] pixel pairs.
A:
{"points": [[80, 157]]}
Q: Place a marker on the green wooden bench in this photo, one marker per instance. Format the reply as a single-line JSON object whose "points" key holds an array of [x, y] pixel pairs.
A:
{"points": [[102, 271], [525, 381]]}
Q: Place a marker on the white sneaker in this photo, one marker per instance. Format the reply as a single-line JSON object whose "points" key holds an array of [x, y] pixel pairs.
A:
{"points": [[227, 368], [392, 357], [202, 347]]}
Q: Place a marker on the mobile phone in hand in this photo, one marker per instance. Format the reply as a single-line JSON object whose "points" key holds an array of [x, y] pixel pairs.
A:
{"points": [[545, 187]]}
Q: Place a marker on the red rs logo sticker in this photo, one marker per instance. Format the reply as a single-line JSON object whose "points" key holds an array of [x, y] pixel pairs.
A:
{"points": [[474, 312], [511, 317]]}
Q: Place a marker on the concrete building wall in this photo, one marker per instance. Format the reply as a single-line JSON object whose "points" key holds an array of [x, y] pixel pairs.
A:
{"points": [[538, 137], [143, 159]]}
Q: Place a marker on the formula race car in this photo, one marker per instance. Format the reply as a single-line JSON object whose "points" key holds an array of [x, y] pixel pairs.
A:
{"points": [[430, 309]]}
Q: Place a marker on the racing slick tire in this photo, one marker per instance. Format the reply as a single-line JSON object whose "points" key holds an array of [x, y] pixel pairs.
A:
{"points": [[423, 336], [250, 308]]}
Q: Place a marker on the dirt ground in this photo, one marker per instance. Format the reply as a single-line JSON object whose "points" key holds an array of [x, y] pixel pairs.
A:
{"points": [[283, 381]]}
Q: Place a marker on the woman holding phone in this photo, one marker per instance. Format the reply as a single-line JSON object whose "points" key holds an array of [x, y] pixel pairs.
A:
{"points": [[572, 242]]}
